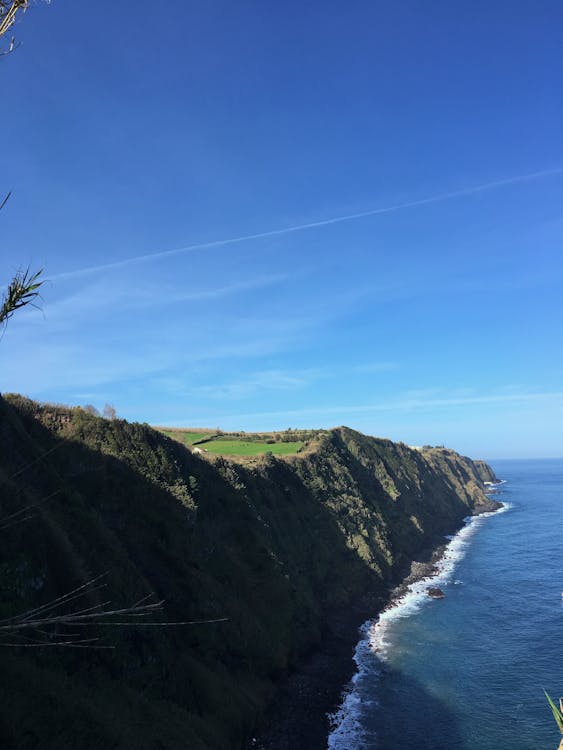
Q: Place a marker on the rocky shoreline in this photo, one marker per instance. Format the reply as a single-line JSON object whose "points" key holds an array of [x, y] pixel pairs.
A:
{"points": [[299, 718]]}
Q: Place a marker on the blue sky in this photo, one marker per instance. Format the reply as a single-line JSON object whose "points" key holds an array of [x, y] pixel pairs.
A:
{"points": [[410, 155]]}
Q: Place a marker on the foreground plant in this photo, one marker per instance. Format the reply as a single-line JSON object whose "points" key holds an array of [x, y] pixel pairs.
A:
{"points": [[557, 715], [21, 291], [10, 10], [8, 14]]}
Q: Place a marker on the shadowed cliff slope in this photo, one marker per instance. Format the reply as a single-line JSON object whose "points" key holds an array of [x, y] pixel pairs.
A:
{"points": [[272, 544]]}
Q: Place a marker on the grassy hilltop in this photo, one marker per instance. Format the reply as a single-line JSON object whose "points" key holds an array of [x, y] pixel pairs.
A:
{"points": [[273, 543], [284, 443]]}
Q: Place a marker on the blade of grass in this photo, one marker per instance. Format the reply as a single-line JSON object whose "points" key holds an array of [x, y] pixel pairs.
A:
{"points": [[557, 714]]}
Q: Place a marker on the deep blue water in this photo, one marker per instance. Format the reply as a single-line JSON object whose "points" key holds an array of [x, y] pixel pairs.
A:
{"points": [[468, 671]]}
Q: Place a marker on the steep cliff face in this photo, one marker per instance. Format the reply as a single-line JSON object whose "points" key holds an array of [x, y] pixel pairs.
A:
{"points": [[486, 474], [271, 544]]}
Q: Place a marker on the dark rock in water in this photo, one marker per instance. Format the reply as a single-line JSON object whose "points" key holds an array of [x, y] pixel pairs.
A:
{"points": [[489, 506], [435, 593]]}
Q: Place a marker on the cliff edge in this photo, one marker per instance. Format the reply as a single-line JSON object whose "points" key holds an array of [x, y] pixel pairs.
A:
{"points": [[274, 545]]}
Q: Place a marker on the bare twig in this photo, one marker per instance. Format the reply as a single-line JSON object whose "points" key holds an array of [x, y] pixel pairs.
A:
{"points": [[15, 523], [59, 600], [46, 627], [39, 458], [9, 10], [10, 519], [47, 644]]}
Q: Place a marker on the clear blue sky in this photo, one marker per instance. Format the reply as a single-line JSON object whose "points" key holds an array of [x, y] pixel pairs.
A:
{"points": [[137, 128]]}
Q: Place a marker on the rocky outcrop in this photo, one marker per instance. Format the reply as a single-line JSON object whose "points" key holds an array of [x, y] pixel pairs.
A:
{"points": [[435, 593], [485, 472]]}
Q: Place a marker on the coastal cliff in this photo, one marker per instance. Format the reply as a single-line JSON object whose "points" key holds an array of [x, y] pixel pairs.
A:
{"points": [[485, 472], [276, 546]]}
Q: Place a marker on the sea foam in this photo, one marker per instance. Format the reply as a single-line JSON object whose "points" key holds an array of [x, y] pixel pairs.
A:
{"points": [[347, 731]]}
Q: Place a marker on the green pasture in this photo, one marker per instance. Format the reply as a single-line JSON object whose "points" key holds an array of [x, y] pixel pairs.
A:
{"points": [[247, 448], [188, 438]]}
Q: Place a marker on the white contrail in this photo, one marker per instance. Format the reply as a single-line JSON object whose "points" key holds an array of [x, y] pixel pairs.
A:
{"points": [[311, 225]]}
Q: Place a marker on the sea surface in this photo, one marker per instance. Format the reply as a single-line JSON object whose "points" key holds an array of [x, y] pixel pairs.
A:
{"points": [[468, 671]]}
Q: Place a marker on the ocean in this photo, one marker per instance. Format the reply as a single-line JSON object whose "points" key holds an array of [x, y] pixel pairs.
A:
{"points": [[468, 671]]}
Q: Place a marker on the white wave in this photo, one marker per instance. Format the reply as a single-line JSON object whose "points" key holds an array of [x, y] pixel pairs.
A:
{"points": [[416, 594], [347, 731], [493, 488], [346, 726]]}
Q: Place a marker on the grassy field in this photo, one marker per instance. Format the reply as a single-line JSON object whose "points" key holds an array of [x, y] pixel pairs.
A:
{"points": [[237, 444], [188, 438], [247, 448]]}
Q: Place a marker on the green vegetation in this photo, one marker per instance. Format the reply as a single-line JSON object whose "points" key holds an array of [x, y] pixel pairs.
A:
{"points": [[185, 437], [272, 545], [284, 443], [283, 436], [22, 290], [557, 712], [225, 447]]}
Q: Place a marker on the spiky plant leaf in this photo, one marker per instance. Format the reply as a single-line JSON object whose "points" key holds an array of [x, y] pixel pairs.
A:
{"points": [[6, 199], [22, 291], [557, 713]]}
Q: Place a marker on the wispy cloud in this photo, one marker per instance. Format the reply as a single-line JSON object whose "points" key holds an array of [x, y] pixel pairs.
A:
{"points": [[374, 367], [268, 380], [251, 384], [437, 198], [67, 367], [407, 404], [103, 352], [111, 298]]}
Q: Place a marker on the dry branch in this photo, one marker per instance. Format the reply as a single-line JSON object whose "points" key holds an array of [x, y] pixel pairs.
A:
{"points": [[47, 625]]}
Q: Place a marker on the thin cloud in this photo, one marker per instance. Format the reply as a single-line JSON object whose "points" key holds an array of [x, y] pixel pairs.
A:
{"points": [[374, 367], [406, 404], [268, 380], [102, 298], [310, 225]]}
